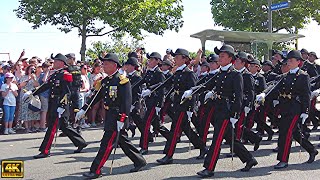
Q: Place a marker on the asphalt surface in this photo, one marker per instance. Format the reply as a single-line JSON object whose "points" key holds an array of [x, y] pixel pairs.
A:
{"points": [[63, 164]]}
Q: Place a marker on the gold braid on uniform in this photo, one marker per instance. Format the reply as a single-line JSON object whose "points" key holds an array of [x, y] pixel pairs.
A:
{"points": [[123, 79]]}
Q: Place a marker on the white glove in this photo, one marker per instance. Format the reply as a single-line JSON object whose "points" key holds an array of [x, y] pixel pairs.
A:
{"points": [[186, 94], [189, 114], [158, 110], [260, 97], [246, 110], [145, 93], [233, 122], [315, 93], [208, 95], [60, 111], [119, 125], [27, 97], [131, 108], [275, 102], [304, 117], [79, 115]]}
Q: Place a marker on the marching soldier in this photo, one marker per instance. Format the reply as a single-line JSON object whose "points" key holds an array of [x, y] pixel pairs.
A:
{"points": [[153, 78], [206, 116], [307, 66], [260, 86], [131, 67], [247, 103], [293, 92], [59, 84], [115, 90], [183, 79], [228, 99], [278, 58], [267, 68]]}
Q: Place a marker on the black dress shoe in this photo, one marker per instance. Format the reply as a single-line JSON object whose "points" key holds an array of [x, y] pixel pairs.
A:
{"points": [[312, 156], [62, 135], [205, 173], [270, 136], [257, 144], [165, 160], [151, 139], [203, 153], [143, 151], [41, 155], [80, 148], [249, 165], [91, 175], [137, 168], [275, 149], [281, 165]]}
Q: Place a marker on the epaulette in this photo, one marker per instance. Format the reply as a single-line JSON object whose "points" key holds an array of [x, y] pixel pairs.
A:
{"points": [[123, 79]]}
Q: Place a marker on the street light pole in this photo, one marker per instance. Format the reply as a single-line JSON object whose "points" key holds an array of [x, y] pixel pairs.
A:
{"points": [[269, 27]]}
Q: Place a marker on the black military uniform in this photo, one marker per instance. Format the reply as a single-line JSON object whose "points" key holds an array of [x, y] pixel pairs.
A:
{"points": [[207, 112], [59, 84], [308, 67], [153, 78], [277, 67], [183, 80], [134, 78], [269, 76], [229, 95], [168, 89], [293, 93], [115, 91]]}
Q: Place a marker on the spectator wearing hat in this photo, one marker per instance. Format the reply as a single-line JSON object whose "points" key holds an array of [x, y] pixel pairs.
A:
{"points": [[9, 93], [307, 66], [28, 82]]}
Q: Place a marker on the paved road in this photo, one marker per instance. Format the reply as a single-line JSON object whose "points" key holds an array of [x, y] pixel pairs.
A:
{"points": [[63, 164]]}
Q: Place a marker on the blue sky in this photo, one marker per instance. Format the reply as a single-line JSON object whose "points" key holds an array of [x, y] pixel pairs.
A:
{"points": [[17, 34]]}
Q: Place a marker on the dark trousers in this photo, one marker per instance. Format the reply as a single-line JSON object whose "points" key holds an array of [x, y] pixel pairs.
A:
{"points": [[108, 143], [166, 109], [261, 119], [223, 130], [287, 130], [179, 124], [149, 117], [205, 122], [313, 114], [53, 123]]}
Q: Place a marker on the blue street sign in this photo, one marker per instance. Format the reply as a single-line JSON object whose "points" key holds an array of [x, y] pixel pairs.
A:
{"points": [[279, 6]]}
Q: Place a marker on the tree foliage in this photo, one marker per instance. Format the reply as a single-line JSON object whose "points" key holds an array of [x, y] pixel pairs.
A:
{"points": [[119, 45], [103, 17]]}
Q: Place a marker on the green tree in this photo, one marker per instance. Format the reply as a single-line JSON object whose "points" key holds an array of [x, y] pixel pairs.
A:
{"points": [[119, 45], [252, 15], [130, 16]]}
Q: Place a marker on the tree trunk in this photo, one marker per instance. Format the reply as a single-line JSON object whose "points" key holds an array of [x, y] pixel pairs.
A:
{"points": [[83, 41]]}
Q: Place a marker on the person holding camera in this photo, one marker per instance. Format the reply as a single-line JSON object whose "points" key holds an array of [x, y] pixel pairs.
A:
{"points": [[28, 82]]}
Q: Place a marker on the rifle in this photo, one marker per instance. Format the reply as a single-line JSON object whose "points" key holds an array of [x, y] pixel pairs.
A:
{"points": [[195, 89]]}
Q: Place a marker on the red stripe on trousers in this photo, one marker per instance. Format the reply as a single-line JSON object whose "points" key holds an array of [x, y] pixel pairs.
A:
{"points": [[288, 139], [164, 110], [107, 152], [313, 103], [176, 132], [208, 120], [53, 131], [218, 144], [147, 129], [251, 119], [239, 127]]}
